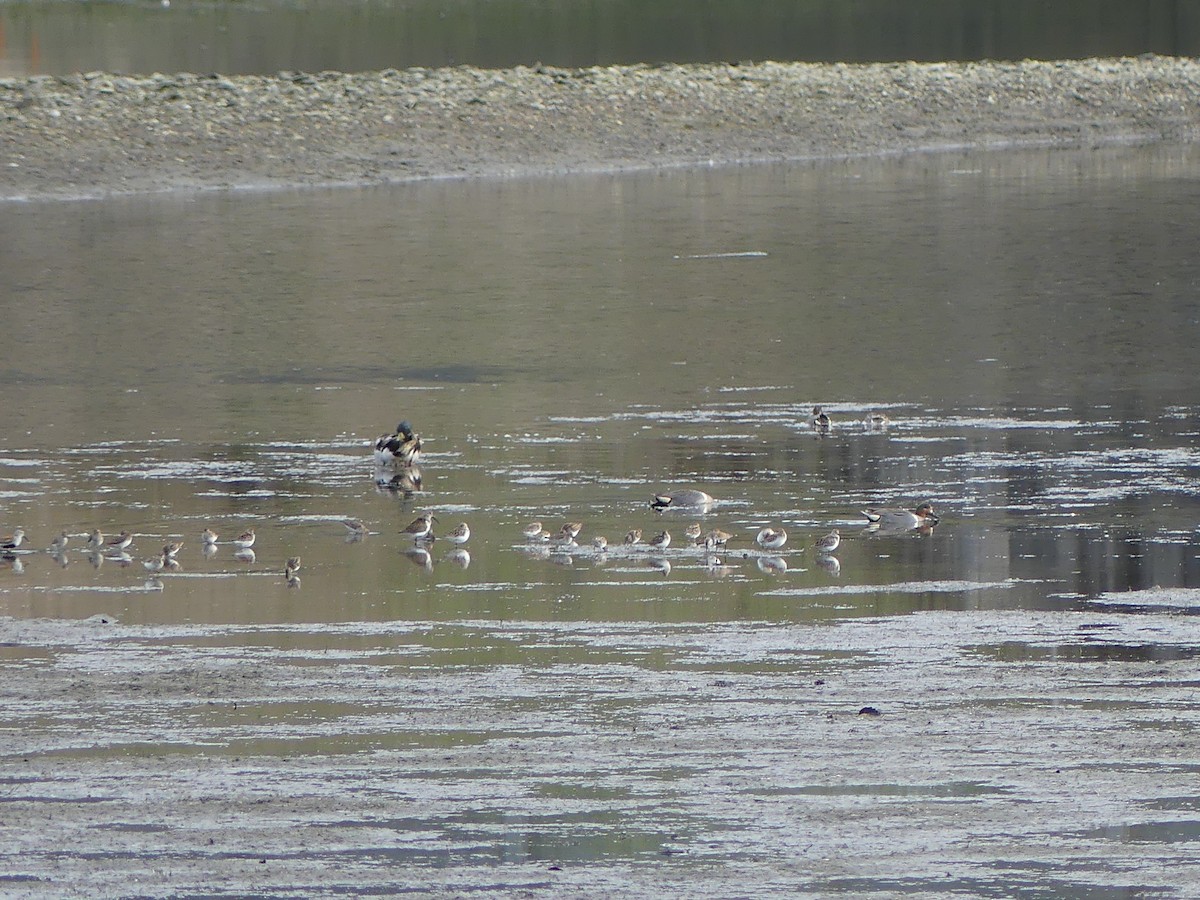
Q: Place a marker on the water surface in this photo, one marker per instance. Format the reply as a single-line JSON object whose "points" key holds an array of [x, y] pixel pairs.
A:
{"points": [[265, 37], [671, 722]]}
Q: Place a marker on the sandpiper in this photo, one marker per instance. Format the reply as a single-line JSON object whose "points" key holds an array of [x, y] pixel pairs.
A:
{"points": [[245, 540], [355, 528], [120, 542], [95, 540], [171, 549], [716, 538], [693, 532], [572, 528], [291, 567], [828, 543], [421, 528], [633, 536], [600, 543], [12, 541], [401, 448], [153, 563], [460, 535], [59, 544], [876, 422], [534, 532], [820, 420], [660, 541], [771, 538], [208, 537]]}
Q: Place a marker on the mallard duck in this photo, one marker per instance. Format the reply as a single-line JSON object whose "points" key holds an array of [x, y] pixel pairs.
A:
{"points": [[690, 499], [892, 519], [401, 448], [820, 420]]}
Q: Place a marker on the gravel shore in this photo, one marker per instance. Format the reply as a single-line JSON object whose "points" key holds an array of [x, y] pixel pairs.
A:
{"points": [[98, 134]]}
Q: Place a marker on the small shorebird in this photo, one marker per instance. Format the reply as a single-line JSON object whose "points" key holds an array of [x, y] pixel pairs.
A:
{"points": [[890, 518], [208, 537], [355, 528], [876, 422], [693, 532], [120, 542], [677, 499], [421, 528], [59, 544], [460, 535], [95, 540], [401, 448], [716, 538], [771, 538], [171, 549], [820, 420], [572, 528], [829, 542], [245, 540], [153, 564], [12, 541], [600, 543], [291, 567], [633, 536], [660, 541], [535, 532]]}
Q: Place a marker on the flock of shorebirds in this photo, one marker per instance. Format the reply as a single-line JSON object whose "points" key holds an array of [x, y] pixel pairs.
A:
{"points": [[400, 451], [396, 455]]}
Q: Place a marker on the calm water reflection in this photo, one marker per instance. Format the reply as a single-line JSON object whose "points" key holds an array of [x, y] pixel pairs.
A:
{"points": [[661, 722], [569, 347], [266, 37]]}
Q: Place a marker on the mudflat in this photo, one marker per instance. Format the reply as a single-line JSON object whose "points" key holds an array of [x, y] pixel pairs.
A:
{"points": [[97, 134]]}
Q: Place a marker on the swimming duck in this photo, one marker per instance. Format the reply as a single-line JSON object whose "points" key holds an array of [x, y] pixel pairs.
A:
{"points": [[691, 499], [401, 448], [771, 538], [820, 420], [893, 519]]}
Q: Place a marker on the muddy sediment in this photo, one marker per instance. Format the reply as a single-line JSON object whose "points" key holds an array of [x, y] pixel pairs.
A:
{"points": [[100, 133]]}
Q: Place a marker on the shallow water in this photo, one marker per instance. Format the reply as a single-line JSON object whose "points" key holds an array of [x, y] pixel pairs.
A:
{"points": [[666, 722]]}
